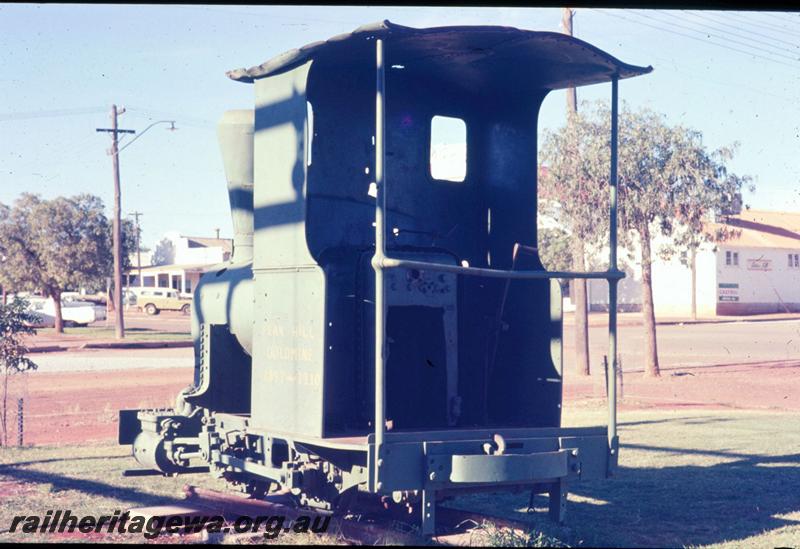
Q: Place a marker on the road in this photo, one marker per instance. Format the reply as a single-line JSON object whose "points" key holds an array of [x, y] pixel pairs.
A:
{"points": [[114, 359], [695, 344], [678, 345]]}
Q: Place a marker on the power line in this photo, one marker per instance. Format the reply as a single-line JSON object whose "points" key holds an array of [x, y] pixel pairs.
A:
{"points": [[6, 117], [795, 45], [181, 118], [735, 85], [752, 22], [704, 41], [781, 18], [61, 155], [716, 29]]}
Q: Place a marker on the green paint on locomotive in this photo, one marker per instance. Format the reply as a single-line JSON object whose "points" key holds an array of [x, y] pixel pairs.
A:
{"points": [[285, 332]]}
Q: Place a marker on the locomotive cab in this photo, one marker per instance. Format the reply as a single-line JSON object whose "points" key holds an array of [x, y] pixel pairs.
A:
{"points": [[387, 330]]}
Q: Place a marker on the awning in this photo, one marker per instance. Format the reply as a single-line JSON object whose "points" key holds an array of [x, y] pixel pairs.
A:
{"points": [[468, 55]]}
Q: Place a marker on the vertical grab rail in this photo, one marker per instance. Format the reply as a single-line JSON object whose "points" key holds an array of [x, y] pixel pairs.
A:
{"points": [[377, 259], [612, 283]]}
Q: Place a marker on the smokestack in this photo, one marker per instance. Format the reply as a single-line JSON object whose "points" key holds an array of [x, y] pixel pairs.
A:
{"points": [[235, 133]]}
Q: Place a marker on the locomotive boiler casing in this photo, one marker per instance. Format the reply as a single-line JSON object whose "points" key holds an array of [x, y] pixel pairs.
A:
{"points": [[223, 298], [224, 295]]}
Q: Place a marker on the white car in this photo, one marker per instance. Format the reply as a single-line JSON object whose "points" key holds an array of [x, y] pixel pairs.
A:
{"points": [[74, 313], [73, 299]]}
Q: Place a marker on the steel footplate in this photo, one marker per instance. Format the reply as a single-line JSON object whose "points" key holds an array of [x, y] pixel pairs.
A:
{"points": [[481, 469]]}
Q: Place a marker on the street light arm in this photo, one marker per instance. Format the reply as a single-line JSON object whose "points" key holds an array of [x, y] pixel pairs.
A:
{"points": [[129, 143]]}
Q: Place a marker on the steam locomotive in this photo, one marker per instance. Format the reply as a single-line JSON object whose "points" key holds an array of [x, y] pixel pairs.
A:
{"points": [[379, 332]]}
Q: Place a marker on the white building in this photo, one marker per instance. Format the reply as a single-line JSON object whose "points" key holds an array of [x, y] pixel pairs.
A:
{"points": [[755, 271], [199, 250], [191, 257]]}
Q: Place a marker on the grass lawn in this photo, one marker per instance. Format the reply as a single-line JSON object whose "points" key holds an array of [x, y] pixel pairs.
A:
{"points": [[725, 479], [87, 480], [686, 478], [132, 334]]}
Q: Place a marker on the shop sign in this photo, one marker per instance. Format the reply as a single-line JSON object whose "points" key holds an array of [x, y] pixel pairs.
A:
{"points": [[728, 291]]}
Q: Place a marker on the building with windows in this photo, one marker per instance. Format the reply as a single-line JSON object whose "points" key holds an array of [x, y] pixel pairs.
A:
{"points": [[189, 256], [755, 271]]}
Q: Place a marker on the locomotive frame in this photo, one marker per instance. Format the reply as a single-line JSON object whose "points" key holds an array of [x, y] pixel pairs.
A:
{"points": [[271, 402]]}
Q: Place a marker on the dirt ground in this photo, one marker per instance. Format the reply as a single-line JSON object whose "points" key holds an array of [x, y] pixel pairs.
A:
{"points": [[70, 407], [769, 385]]}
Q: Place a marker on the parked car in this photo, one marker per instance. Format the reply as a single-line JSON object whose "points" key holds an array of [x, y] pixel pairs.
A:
{"points": [[74, 313], [155, 300], [72, 299]]}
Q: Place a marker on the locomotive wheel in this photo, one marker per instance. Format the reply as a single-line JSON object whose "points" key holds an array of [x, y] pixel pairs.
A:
{"points": [[150, 309]]}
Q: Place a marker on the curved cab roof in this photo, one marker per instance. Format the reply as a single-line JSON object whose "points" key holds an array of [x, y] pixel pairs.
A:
{"points": [[471, 56]]}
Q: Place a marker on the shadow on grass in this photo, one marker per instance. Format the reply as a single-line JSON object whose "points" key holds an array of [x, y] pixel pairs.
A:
{"points": [[61, 482], [688, 420], [5, 466], [694, 505], [672, 506]]}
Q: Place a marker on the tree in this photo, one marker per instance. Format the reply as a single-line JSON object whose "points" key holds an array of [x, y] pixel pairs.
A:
{"points": [[555, 250], [15, 321], [572, 195], [54, 245], [164, 253], [669, 185]]}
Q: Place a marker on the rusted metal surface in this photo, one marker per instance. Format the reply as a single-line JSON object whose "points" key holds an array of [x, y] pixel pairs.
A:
{"points": [[455, 526]]}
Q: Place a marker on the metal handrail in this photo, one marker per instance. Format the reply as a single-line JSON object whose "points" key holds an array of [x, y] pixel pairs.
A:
{"points": [[381, 261], [396, 263], [377, 260]]}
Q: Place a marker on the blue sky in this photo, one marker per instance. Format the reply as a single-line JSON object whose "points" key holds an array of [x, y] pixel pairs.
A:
{"points": [[734, 76]]}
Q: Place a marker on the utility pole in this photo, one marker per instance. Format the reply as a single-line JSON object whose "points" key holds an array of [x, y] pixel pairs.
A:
{"points": [[138, 249], [579, 284], [119, 325], [693, 264], [572, 95]]}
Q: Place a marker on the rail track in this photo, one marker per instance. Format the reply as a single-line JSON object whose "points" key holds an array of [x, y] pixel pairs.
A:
{"points": [[371, 525]]}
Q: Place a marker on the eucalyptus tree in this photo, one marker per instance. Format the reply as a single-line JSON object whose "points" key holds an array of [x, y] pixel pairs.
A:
{"points": [[55, 245], [670, 185], [571, 194]]}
